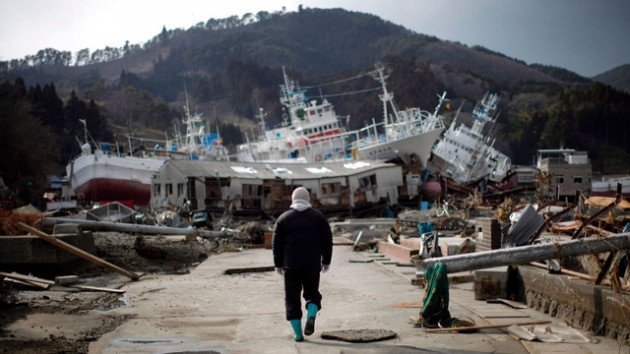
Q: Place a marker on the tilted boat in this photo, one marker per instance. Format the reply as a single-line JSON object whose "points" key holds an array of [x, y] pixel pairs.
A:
{"points": [[466, 154], [103, 174], [315, 133], [405, 133]]}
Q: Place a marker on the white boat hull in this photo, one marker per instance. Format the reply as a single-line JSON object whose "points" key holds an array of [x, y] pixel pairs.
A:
{"points": [[100, 177], [420, 145]]}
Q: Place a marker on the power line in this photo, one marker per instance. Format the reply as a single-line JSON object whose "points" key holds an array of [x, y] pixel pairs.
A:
{"points": [[345, 93], [339, 81]]}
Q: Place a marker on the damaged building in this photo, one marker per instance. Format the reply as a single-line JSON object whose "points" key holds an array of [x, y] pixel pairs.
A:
{"points": [[569, 171], [246, 188]]}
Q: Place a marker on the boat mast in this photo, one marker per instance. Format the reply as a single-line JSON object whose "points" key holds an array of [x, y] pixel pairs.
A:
{"points": [[292, 98], [386, 97], [484, 112], [263, 125], [441, 98]]}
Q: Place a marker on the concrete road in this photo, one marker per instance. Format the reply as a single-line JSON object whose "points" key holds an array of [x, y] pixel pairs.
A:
{"points": [[207, 311]]}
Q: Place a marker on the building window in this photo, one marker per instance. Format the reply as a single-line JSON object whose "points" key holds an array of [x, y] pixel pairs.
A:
{"points": [[331, 188], [157, 189], [559, 179], [577, 179], [180, 189], [168, 189], [367, 183], [525, 178]]}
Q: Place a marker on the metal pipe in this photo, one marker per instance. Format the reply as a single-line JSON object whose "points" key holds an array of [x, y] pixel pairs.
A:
{"points": [[135, 228], [526, 254]]}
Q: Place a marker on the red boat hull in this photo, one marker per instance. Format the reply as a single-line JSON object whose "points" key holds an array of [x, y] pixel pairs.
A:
{"points": [[106, 189]]}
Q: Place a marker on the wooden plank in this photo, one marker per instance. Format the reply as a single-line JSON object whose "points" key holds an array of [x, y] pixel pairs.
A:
{"points": [[39, 281], [474, 328], [77, 251], [512, 304], [27, 278], [407, 305], [565, 271], [26, 282], [249, 270], [605, 268], [600, 230], [95, 288], [508, 316]]}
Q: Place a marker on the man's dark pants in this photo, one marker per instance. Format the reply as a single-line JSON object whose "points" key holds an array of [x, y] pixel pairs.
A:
{"points": [[296, 280]]}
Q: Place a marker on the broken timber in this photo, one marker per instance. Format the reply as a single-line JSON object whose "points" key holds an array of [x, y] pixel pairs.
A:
{"points": [[45, 283], [526, 254], [474, 328], [77, 251], [135, 228], [249, 270]]}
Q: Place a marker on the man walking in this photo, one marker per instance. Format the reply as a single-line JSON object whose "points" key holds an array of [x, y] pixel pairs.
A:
{"points": [[302, 247]]}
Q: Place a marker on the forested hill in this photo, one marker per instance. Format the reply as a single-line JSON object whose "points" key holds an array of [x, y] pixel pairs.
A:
{"points": [[232, 67], [618, 77], [312, 41]]}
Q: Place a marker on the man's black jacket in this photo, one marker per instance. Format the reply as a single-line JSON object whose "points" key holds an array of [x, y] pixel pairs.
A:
{"points": [[302, 240]]}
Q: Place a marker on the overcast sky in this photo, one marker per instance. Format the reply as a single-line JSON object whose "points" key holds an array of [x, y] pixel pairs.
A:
{"points": [[585, 36]]}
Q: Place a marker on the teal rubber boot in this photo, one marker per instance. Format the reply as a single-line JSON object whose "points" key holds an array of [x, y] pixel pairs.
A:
{"points": [[310, 319], [297, 330]]}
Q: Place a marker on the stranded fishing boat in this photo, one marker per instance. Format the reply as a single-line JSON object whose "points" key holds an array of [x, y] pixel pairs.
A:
{"points": [[315, 132], [104, 175], [404, 133], [305, 134], [465, 154]]}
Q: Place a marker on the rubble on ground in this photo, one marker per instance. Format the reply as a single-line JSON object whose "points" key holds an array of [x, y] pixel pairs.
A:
{"points": [[455, 226]]}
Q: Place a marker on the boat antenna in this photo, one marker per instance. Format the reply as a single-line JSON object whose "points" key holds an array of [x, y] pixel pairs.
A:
{"points": [[458, 112], [187, 106], [216, 120], [85, 131], [386, 96], [261, 115], [441, 100], [88, 137]]}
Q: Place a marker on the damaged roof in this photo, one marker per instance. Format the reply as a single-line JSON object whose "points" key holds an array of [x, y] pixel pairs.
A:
{"points": [[258, 170]]}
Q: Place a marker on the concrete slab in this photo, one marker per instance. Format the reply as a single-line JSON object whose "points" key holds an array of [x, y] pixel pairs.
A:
{"points": [[580, 303], [491, 283], [397, 251], [206, 311], [32, 250]]}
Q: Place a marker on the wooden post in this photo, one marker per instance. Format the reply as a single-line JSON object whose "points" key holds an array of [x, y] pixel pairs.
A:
{"points": [[474, 328], [526, 254], [77, 251]]}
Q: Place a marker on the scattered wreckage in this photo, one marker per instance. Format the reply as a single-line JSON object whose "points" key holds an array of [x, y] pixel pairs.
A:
{"points": [[466, 231]]}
